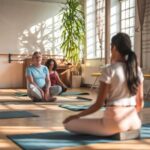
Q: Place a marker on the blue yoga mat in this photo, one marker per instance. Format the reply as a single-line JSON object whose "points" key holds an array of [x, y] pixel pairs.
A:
{"points": [[76, 107], [146, 104], [73, 93], [68, 93], [19, 94], [16, 114], [84, 107], [59, 139]]}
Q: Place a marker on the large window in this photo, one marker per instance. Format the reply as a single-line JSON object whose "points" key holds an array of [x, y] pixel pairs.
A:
{"points": [[90, 28], [115, 17], [123, 17], [95, 26], [100, 28], [128, 18]]}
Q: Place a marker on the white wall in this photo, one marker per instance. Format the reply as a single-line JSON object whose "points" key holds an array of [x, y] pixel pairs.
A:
{"points": [[23, 29], [16, 19], [11, 74]]}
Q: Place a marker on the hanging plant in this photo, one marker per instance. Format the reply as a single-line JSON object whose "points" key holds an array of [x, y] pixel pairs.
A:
{"points": [[73, 31]]}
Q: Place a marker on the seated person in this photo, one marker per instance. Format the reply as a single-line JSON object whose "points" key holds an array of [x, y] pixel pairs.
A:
{"points": [[56, 83], [122, 85], [38, 81]]}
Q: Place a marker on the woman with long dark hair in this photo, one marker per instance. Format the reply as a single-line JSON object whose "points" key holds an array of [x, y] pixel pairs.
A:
{"points": [[121, 90], [57, 86]]}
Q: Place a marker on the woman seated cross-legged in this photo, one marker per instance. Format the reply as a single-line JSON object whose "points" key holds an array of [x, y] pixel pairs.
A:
{"points": [[122, 86], [38, 81], [56, 82]]}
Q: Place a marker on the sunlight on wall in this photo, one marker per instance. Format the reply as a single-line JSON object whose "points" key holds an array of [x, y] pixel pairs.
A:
{"points": [[44, 37]]}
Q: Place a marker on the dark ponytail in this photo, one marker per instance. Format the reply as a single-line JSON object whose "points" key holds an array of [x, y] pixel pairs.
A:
{"points": [[132, 72], [123, 45]]}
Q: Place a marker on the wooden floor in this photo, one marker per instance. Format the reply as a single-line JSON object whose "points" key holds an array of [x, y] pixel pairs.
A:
{"points": [[51, 117]]}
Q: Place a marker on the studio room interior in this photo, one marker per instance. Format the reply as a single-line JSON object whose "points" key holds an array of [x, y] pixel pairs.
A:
{"points": [[74, 74]]}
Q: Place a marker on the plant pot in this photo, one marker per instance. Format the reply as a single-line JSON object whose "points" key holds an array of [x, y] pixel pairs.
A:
{"points": [[76, 81]]}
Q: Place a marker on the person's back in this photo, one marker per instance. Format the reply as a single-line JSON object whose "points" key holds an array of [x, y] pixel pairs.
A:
{"points": [[119, 94], [120, 102], [121, 85]]}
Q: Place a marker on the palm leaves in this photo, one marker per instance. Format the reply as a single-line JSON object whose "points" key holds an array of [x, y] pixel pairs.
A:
{"points": [[73, 30]]}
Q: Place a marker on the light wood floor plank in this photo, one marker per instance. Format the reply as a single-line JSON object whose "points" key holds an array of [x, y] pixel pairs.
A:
{"points": [[50, 119]]}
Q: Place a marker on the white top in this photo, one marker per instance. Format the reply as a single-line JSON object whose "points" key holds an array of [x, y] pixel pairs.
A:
{"points": [[119, 94]]}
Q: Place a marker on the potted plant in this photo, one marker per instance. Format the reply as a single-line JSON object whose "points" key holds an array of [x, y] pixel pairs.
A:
{"points": [[73, 34]]}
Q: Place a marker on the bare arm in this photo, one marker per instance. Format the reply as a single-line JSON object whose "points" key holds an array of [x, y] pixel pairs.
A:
{"points": [[31, 81], [103, 90], [59, 80], [48, 83], [47, 86], [139, 98]]}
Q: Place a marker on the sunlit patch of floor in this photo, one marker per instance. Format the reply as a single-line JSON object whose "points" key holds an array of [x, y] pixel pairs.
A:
{"points": [[50, 118]]}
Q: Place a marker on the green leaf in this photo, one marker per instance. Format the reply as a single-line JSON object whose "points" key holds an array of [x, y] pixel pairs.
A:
{"points": [[73, 30]]}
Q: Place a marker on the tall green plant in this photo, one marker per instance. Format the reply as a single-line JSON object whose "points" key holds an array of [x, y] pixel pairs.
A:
{"points": [[73, 30]]}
